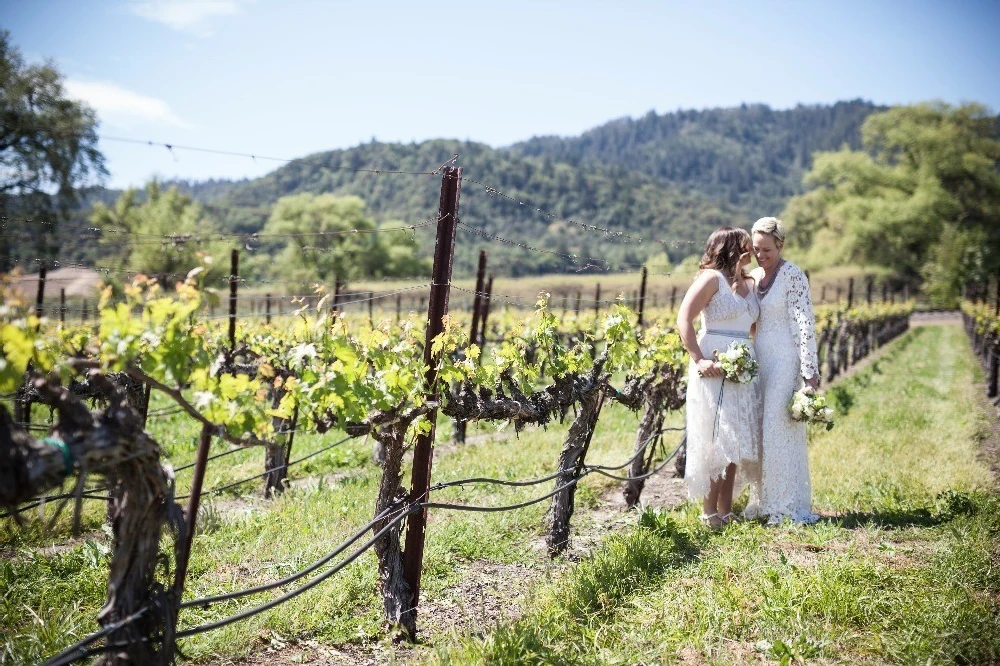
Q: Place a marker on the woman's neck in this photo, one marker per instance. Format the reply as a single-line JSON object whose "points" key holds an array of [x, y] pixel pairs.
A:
{"points": [[769, 272]]}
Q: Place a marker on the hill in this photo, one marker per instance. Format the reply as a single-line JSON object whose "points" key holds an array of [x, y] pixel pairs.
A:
{"points": [[670, 178], [752, 157]]}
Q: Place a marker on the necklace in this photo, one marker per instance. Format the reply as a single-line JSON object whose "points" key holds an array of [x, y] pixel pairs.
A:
{"points": [[761, 289]]}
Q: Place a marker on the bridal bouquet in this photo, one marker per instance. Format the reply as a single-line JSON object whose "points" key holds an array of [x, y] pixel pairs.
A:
{"points": [[811, 406], [737, 363]]}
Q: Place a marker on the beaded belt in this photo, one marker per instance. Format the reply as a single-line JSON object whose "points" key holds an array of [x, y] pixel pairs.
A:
{"points": [[728, 334]]}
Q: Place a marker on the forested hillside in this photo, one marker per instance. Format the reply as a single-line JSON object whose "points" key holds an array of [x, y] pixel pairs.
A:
{"points": [[670, 178], [752, 157]]}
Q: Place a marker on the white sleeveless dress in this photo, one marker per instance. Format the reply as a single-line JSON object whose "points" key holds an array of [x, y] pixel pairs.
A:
{"points": [[786, 348], [720, 434]]}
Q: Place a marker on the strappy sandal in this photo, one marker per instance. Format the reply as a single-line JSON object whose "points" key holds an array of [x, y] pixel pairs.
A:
{"points": [[709, 518], [730, 518]]}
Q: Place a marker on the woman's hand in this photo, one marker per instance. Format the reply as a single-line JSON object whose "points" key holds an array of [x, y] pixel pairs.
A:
{"points": [[813, 382], [707, 368]]}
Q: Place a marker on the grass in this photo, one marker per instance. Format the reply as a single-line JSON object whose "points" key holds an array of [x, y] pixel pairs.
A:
{"points": [[55, 588], [902, 569]]}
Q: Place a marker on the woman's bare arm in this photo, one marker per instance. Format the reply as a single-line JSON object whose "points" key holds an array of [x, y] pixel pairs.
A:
{"points": [[695, 300]]}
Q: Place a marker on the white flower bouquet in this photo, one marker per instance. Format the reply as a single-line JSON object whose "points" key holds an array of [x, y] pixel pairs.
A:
{"points": [[737, 363], [811, 406]]}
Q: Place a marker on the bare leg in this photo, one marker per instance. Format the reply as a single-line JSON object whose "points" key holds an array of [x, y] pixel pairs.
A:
{"points": [[709, 506], [725, 496]]}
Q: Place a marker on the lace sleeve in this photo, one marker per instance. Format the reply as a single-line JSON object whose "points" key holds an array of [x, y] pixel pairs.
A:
{"points": [[802, 321]]}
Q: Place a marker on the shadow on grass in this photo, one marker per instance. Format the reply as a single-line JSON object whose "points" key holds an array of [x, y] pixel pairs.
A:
{"points": [[948, 505], [890, 519]]}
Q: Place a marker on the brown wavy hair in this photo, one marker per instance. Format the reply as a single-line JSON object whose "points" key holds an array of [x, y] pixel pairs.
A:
{"points": [[723, 251]]}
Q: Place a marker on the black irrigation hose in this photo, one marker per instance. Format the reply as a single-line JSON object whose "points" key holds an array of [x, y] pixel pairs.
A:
{"points": [[219, 489], [641, 476], [207, 601], [299, 590], [39, 501], [499, 482], [76, 651], [543, 479], [166, 411], [217, 455]]}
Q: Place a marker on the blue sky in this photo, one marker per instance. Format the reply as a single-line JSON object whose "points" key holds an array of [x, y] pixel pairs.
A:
{"points": [[290, 78]]}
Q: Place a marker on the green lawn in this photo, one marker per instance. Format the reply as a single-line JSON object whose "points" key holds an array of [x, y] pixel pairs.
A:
{"points": [[902, 569], [244, 540], [900, 572]]}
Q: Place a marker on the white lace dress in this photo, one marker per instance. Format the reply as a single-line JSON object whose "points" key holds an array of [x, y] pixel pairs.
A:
{"points": [[718, 435], [786, 350]]}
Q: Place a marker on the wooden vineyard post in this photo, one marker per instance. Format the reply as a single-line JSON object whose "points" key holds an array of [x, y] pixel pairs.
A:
{"points": [[996, 305], [597, 300], [423, 452], [191, 516], [822, 294], [579, 297], [642, 295], [461, 426], [885, 292], [84, 312], [336, 293], [869, 285], [486, 302], [673, 298], [267, 308], [399, 306], [850, 293], [477, 299], [62, 306], [371, 306], [234, 273], [40, 294]]}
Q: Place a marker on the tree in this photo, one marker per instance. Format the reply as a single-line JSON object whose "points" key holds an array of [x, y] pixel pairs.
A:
{"points": [[166, 230], [923, 198], [48, 146], [335, 238]]}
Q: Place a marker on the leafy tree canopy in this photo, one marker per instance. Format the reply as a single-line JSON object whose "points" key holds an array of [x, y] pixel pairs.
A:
{"points": [[163, 227], [48, 145], [336, 238], [923, 198]]}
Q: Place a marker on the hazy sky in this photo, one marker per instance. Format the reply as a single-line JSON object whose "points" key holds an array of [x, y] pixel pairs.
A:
{"points": [[294, 77]]}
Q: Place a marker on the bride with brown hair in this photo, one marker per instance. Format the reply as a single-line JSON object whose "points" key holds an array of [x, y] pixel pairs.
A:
{"points": [[722, 429]]}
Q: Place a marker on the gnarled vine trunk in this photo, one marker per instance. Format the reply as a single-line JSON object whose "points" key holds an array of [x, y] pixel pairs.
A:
{"points": [[396, 594], [111, 443], [571, 461]]}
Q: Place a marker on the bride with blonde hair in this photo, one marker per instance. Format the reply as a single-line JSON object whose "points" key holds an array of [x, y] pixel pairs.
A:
{"points": [[786, 348]]}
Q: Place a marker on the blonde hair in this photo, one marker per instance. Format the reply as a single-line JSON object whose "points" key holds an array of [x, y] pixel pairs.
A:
{"points": [[773, 227]]}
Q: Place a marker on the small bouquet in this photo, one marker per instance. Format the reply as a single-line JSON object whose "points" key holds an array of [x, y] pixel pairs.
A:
{"points": [[737, 363], [811, 406]]}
